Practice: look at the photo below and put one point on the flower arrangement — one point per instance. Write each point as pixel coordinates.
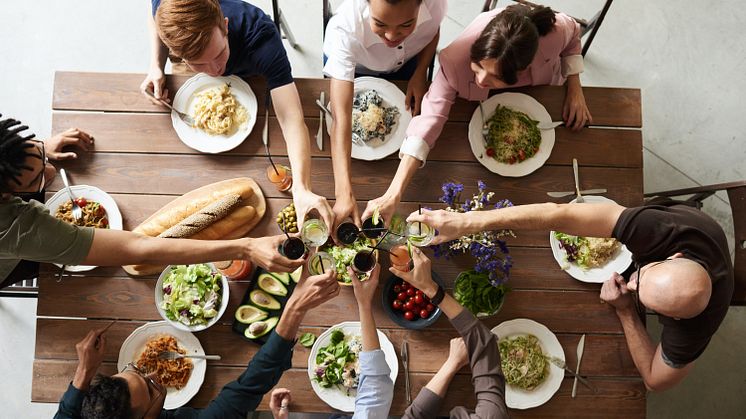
(492, 254)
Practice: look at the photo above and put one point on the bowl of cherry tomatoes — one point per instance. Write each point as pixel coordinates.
(407, 306)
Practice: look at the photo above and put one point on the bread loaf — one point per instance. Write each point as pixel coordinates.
(203, 218)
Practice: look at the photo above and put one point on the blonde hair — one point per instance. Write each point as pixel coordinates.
(186, 26)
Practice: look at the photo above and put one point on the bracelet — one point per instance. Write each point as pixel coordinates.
(438, 297)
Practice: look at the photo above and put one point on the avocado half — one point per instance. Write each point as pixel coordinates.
(295, 276)
(270, 284)
(261, 328)
(261, 299)
(248, 314)
(282, 276)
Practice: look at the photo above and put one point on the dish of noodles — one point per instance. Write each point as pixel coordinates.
(513, 136)
(587, 252)
(94, 214)
(371, 118)
(523, 362)
(170, 373)
(217, 112)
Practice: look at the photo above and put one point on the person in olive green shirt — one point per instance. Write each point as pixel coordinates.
(29, 233)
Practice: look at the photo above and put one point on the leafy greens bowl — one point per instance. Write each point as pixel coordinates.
(475, 292)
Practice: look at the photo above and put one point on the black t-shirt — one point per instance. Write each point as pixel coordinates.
(654, 233)
(255, 44)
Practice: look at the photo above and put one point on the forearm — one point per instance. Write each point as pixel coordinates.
(442, 379)
(83, 377)
(573, 83)
(341, 93)
(640, 345)
(158, 50)
(290, 321)
(368, 328)
(295, 132)
(425, 57)
(116, 247)
(407, 168)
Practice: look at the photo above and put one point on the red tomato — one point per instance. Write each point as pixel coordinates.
(511, 160)
(430, 308)
(396, 305)
(410, 292)
(100, 211)
(405, 286)
(409, 306)
(409, 315)
(105, 222)
(418, 299)
(490, 152)
(81, 202)
(418, 292)
(397, 288)
(521, 155)
(424, 314)
(401, 296)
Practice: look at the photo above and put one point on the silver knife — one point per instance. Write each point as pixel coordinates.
(405, 362)
(550, 125)
(584, 192)
(581, 347)
(320, 134)
(265, 131)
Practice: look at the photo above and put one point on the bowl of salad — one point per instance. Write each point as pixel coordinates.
(191, 297)
(343, 256)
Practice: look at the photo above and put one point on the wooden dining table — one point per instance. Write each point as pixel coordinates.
(141, 162)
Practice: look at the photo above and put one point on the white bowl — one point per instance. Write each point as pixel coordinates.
(225, 292)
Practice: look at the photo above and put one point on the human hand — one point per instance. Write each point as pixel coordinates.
(344, 207)
(279, 402)
(386, 205)
(458, 357)
(416, 89)
(305, 201)
(614, 291)
(312, 291)
(155, 81)
(263, 252)
(421, 277)
(449, 225)
(90, 353)
(575, 111)
(71, 137)
(365, 290)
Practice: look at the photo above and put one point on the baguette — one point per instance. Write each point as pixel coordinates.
(203, 218)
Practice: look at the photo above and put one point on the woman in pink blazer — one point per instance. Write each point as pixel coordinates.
(512, 47)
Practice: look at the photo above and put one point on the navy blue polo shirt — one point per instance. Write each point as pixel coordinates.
(255, 44)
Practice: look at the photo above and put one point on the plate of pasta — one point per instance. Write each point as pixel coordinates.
(99, 211)
(525, 346)
(224, 110)
(514, 146)
(182, 378)
(379, 119)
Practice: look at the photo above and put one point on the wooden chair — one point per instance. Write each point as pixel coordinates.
(586, 26)
(737, 196)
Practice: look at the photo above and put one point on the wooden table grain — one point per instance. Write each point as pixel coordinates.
(140, 161)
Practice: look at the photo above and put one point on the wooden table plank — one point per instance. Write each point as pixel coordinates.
(622, 398)
(56, 339)
(616, 107)
(178, 174)
(591, 146)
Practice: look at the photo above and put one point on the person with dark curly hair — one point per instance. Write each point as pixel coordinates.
(134, 393)
(503, 48)
(29, 234)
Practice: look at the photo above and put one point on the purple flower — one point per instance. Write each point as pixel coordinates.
(481, 185)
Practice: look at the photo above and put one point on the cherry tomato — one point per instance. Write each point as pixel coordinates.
(396, 305)
(418, 299)
(100, 211)
(81, 202)
(405, 286)
(490, 152)
(424, 314)
(521, 155)
(409, 306)
(409, 315)
(104, 222)
(397, 288)
(401, 296)
(430, 308)
(410, 292)
(418, 292)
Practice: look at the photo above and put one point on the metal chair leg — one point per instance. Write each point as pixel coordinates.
(593, 26)
(285, 28)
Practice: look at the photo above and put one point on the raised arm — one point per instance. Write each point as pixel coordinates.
(155, 81)
(290, 116)
(417, 85)
(341, 92)
(594, 220)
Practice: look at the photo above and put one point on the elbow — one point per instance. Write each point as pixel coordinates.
(656, 386)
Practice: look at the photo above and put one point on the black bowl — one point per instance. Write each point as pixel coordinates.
(388, 296)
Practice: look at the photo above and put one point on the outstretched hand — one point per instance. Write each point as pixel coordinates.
(449, 225)
(70, 137)
(421, 277)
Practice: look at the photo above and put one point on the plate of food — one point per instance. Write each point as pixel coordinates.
(191, 297)
(525, 346)
(333, 366)
(344, 255)
(379, 119)
(224, 110)
(589, 259)
(99, 211)
(182, 378)
(514, 145)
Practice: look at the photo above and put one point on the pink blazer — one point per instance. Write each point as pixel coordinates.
(558, 55)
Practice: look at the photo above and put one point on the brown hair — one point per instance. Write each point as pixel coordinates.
(512, 37)
(186, 26)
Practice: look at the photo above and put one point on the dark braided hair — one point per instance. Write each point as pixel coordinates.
(14, 149)
(108, 398)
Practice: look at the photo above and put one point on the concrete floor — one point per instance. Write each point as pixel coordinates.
(687, 60)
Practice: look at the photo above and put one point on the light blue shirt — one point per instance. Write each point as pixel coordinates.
(375, 390)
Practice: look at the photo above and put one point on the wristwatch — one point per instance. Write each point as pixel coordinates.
(438, 297)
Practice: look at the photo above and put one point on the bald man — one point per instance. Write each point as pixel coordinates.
(683, 271)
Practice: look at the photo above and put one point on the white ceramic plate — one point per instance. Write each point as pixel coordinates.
(519, 102)
(135, 343)
(517, 398)
(618, 263)
(184, 100)
(335, 397)
(392, 96)
(181, 326)
(90, 193)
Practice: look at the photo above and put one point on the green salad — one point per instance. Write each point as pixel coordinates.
(343, 256)
(191, 294)
(337, 363)
(523, 362)
(475, 292)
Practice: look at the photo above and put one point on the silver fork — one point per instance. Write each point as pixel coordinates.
(171, 355)
(580, 198)
(77, 211)
(184, 117)
(329, 112)
(485, 128)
